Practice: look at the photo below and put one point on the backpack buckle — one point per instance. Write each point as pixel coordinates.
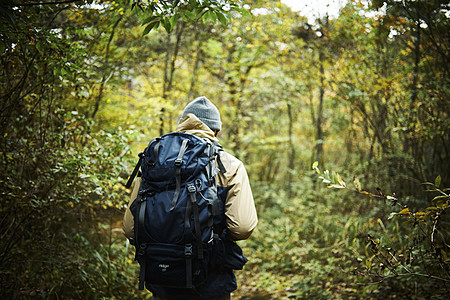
(191, 188)
(141, 198)
(188, 250)
(178, 162)
(141, 252)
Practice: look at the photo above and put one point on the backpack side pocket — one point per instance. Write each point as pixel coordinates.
(227, 254)
(234, 258)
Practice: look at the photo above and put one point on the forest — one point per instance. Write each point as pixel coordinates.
(341, 121)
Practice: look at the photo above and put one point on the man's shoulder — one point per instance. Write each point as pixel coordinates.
(230, 162)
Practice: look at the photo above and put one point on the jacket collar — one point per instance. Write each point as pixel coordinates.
(191, 124)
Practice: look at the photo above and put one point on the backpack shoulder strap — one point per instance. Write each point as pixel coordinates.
(141, 157)
(135, 171)
(218, 148)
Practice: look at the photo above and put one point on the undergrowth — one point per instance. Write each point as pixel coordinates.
(304, 247)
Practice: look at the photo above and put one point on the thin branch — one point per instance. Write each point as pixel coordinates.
(42, 3)
(402, 275)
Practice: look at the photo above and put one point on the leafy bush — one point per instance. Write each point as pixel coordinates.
(56, 196)
(406, 253)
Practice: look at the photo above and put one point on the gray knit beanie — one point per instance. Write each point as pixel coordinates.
(206, 111)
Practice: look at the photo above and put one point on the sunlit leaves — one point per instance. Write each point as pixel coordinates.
(333, 179)
(168, 14)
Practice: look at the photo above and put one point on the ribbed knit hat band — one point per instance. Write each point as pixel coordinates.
(206, 111)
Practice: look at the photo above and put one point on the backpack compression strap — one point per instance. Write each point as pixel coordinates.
(141, 255)
(178, 164)
(198, 234)
(140, 252)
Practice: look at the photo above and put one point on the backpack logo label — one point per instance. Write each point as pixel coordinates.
(164, 267)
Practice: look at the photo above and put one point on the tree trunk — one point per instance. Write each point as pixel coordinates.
(319, 119)
(169, 70)
(291, 155)
(104, 77)
(198, 55)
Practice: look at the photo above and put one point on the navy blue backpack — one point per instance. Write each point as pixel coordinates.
(175, 209)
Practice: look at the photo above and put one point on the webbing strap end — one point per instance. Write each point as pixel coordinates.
(142, 276)
(189, 273)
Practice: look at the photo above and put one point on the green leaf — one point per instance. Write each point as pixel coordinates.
(174, 20)
(381, 224)
(190, 15)
(64, 71)
(2, 47)
(153, 24)
(166, 24)
(391, 215)
(368, 264)
(212, 16)
(184, 17)
(244, 12)
(40, 46)
(437, 181)
(440, 197)
(148, 20)
(149, 27)
(221, 18)
(205, 16)
(315, 165)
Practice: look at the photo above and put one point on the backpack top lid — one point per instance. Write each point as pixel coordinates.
(180, 151)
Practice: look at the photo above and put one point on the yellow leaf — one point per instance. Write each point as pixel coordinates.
(404, 211)
(421, 213)
(339, 179)
(356, 183)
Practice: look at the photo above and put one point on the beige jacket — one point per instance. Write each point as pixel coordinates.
(240, 208)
